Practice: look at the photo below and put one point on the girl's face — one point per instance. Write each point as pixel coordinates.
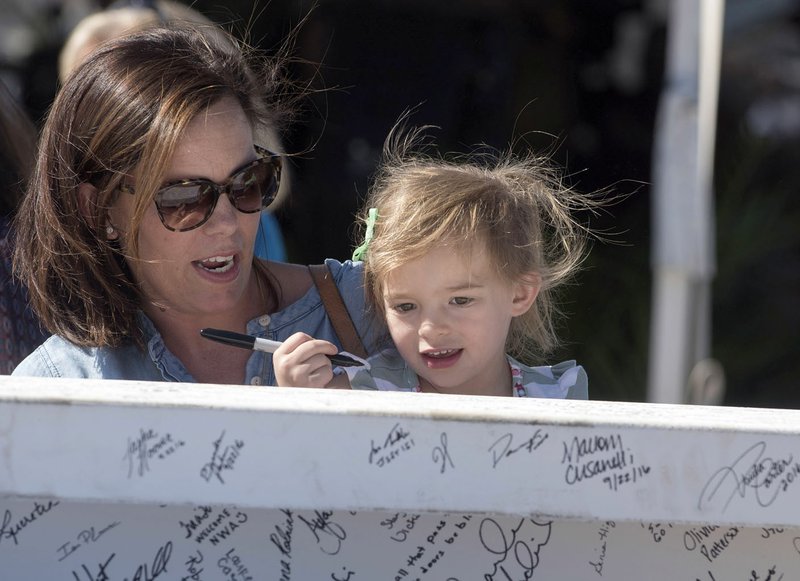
(449, 314)
(206, 271)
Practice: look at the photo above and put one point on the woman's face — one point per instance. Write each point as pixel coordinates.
(207, 270)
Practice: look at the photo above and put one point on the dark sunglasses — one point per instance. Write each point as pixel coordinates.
(188, 204)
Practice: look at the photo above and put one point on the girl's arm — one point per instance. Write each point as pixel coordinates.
(339, 381)
(301, 362)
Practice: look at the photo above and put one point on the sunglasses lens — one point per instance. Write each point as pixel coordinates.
(254, 187)
(187, 205)
(184, 206)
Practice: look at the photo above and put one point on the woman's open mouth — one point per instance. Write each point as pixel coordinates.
(217, 264)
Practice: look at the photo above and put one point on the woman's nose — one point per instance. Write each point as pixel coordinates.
(224, 217)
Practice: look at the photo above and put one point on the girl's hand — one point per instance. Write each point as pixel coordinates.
(301, 362)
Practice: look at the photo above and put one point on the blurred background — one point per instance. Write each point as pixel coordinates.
(579, 78)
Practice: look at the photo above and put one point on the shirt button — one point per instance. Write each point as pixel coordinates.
(264, 320)
(255, 381)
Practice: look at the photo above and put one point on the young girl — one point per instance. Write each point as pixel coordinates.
(461, 261)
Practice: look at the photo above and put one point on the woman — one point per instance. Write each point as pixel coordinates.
(139, 225)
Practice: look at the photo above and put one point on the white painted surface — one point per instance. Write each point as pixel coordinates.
(99, 480)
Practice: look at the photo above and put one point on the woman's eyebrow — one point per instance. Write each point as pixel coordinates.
(239, 168)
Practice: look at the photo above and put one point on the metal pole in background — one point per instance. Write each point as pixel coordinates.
(683, 218)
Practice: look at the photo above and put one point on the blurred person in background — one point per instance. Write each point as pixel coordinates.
(20, 332)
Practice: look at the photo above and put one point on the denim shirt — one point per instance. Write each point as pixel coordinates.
(57, 357)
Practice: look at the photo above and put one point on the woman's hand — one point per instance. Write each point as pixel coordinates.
(301, 362)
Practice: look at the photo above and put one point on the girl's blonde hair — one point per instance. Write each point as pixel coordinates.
(517, 207)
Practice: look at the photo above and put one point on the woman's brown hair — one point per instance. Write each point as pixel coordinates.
(121, 114)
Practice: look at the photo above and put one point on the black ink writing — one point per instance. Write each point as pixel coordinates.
(582, 447)
(657, 530)
(459, 526)
(505, 446)
(516, 548)
(617, 479)
(156, 568)
(328, 534)
(772, 575)
(233, 567)
(282, 539)
(345, 575)
(222, 458)
(201, 514)
(598, 563)
(85, 537)
(193, 568)
(441, 455)
(146, 446)
(600, 455)
(217, 528)
(767, 532)
(400, 534)
(766, 477)
(702, 539)
(101, 574)
(435, 533)
(395, 443)
(11, 530)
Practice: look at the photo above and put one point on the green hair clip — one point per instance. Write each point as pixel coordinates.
(372, 217)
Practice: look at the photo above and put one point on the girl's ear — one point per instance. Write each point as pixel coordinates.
(526, 289)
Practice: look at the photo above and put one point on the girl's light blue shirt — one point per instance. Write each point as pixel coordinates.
(57, 357)
(387, 371)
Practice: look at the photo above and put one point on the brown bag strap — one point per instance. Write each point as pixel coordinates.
(336, 309)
